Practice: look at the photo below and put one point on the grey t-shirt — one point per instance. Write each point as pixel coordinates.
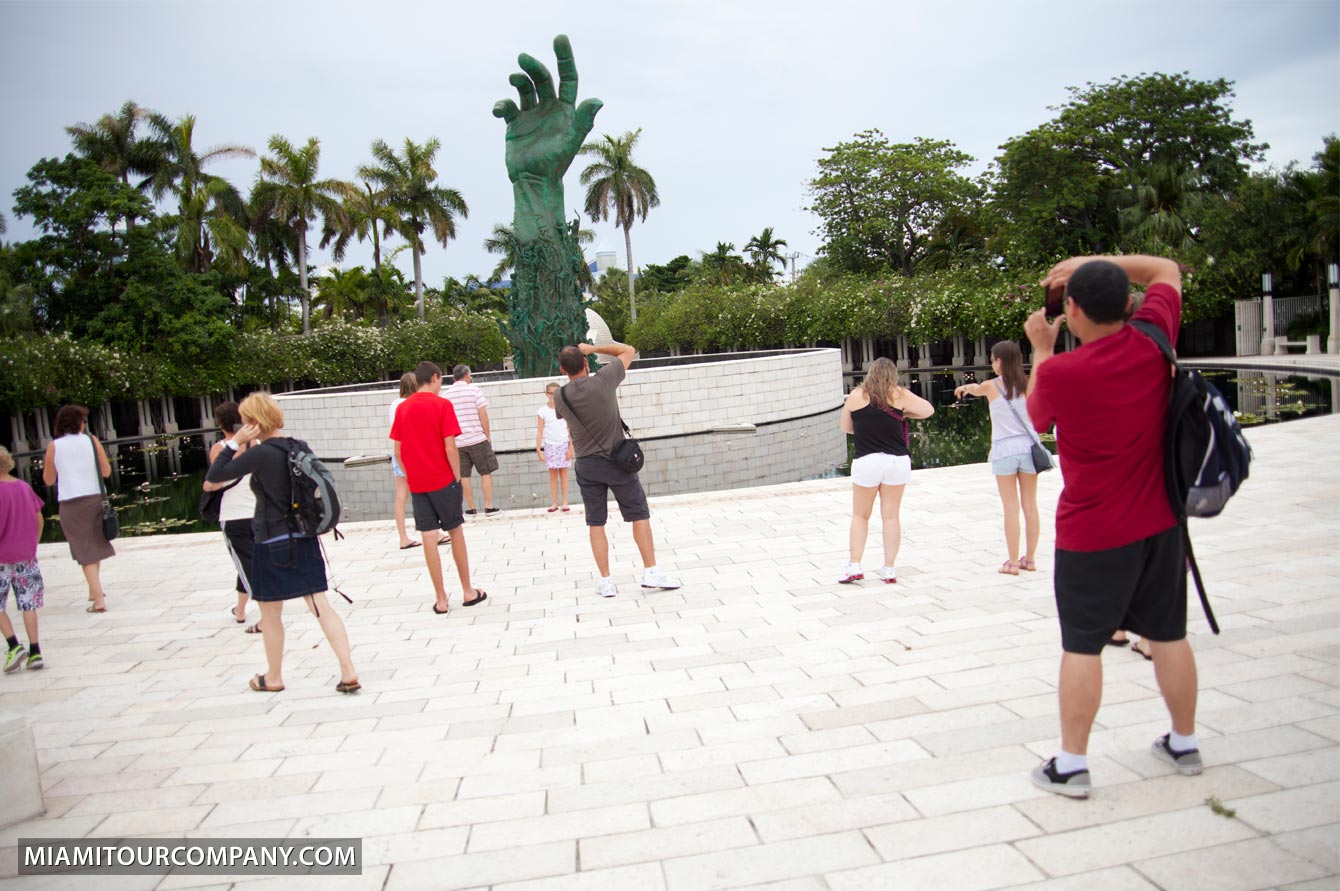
(596, 430)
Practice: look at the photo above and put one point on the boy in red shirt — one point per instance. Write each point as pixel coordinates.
(1120, 561)
(425, 431)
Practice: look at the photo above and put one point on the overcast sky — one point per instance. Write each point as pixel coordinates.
(736, 100)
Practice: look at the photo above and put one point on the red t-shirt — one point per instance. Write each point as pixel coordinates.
(1109, 400)
(421, 424)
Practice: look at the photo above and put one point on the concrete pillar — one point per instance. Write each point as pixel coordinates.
(904, 360)
(146, 417)
(1267, 323)
(1281, 346)
(846, 350)
(169, 414)
(924, 351)
(18, 433)
(867, 351)
(1313, 344)
(42, 420)
(1333, 340)
(960, 350)
(980, 354)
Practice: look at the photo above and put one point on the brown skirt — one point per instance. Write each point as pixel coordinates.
(81, 522)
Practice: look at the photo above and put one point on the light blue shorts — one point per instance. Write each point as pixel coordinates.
(1013, 464)
(396, 468)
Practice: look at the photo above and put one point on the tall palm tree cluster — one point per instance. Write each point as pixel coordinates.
(397, 194)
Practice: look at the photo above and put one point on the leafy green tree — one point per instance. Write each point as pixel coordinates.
(879, 202)
(211, 215)
(723, 265)
(609, 299)
(1161, 208)
(668, 278)
(408, 181)
(113, 143)
(343, 293)
(615, 182)
(765, 251)
(290, 191)
(1315, 196)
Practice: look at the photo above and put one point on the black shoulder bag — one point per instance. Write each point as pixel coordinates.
(110, 526)
(627, 454)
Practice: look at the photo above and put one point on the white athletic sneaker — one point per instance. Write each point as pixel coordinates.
(605, 588)
(852, 572)
(656, 578)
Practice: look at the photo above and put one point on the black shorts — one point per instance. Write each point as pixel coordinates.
(439, 509)
(238, 535)
(597, 476)
(1140, 588)
(478, 457)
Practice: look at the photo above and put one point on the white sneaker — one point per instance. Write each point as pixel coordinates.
(852, 572)
(888, 575)
(605, 588)
(656, 578)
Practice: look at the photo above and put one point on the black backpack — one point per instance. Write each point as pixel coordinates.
(314, 506)
(1205, 458)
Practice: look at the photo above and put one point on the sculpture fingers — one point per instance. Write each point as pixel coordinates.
(567, 70)
(544, 82)
(525, 89)
(506, 110)
(586, 115)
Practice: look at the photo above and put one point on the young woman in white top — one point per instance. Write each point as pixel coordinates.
(553, 444)
(235, 513)
(408, 384)
(73, 464)
(1011, 454)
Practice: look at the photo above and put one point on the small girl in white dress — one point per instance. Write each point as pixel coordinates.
(554, 447)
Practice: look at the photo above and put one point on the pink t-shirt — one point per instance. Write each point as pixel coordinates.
(19, 505)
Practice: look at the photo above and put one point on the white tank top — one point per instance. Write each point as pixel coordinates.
(76, 467)
(239, 502)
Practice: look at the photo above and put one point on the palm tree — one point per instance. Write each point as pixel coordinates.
(1157, 208)
(3, 227)
(211, 214)
(724, 262)
(765, 250)
(113, 145)
(408, 182)
(289, 191)
(367, 215)
(503, 242)
(344, 293)
(614, 181)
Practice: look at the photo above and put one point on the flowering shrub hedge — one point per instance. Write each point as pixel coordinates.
(55, 370)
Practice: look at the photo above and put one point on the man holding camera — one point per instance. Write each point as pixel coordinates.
(590, 405)
(1120, 561)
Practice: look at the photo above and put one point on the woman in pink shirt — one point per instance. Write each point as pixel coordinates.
(20, 528)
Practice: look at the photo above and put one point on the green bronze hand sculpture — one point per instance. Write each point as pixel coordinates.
(543, 136)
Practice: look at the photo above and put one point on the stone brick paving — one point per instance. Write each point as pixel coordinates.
(763, 727)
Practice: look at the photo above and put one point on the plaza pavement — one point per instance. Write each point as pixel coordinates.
(762, 727)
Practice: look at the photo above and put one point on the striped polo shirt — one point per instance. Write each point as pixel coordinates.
(467, 399)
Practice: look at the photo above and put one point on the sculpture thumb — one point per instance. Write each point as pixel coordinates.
(586, 114)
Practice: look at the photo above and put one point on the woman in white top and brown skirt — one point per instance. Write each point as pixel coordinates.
(75, 463)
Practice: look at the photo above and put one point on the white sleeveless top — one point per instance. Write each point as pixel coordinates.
(239, 502)
(76, 467)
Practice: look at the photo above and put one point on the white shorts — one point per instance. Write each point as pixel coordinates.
(879, 469)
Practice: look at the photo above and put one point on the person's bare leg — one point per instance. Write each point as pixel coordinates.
(553, 488)
(332, 626)
(462, 558)
(1028, 499)
(646, 546)
(862, 502)
(600, 549)
(468, 493)
(272, 633)
(6, 626)
(1080, 692)
(30, 626)
(1175, 670)
(401, 498)
(92, 575)
(434, 561)
(486, 483)
(1009, 500)
(890, 503)
(563, 484)
(240, 611)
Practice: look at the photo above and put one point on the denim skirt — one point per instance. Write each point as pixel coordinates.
(287, 568)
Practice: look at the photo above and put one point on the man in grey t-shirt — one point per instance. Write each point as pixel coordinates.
(590, 405)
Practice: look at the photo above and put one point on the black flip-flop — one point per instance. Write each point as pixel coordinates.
(444, 540)
(1125, 641)
(413, 544)
(233, 610)
(480, 599)
(254, 629)
(258, 684)
(1148, 657)
(348, 687)
(442, 612)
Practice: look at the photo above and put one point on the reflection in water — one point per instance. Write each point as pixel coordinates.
(155, 484)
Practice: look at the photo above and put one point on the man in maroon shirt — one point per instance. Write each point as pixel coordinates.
(425, 431)
(1120, 562)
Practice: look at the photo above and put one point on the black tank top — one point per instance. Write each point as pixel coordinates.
(879, 430)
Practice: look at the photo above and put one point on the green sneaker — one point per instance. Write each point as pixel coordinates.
(14, 659)
(35, 662)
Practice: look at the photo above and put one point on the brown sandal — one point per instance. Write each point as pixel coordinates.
(348, 687)
(258, 684)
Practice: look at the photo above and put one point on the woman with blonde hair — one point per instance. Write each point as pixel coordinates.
(876, 413)
(76, 464)
(1011, 453)
(285, 564)
(408, 385)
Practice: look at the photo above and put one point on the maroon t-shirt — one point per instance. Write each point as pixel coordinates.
(1109, 401)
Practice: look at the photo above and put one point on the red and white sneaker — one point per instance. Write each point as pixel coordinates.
(888, 575)
(852, 572)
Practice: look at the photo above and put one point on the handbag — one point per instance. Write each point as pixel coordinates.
(1042, 459)
(627, 455)
(110, 526)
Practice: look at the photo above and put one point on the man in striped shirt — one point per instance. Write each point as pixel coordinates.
(472, 413)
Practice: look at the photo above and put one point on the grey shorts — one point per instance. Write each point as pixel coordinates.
(1014, 464)
(597, 476)
(478, 457)
(439, 509)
